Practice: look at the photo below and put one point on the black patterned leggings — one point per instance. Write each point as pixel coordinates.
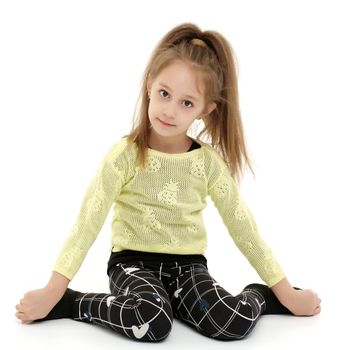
(146, 296)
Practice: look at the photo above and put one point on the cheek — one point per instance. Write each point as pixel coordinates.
(149, 109)
(154, 106)
(152, 109)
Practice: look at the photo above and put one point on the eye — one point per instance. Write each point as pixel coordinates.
(188, 104)
(163, 93)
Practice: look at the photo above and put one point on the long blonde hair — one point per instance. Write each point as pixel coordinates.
(211, 54)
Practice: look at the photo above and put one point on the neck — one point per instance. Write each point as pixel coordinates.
(170, 147)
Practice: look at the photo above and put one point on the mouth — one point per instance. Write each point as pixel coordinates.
(164, 123)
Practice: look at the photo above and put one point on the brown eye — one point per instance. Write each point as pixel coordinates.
(188, 104)
(163, 93)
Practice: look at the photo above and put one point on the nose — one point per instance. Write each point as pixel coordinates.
(170, 112)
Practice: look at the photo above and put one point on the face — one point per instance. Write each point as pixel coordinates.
(176, 100)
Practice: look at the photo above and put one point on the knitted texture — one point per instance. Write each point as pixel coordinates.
(159, 208)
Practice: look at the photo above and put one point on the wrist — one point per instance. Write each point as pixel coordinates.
(284, 292)
(57, 284)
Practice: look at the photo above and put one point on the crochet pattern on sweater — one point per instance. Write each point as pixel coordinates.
(159, 208)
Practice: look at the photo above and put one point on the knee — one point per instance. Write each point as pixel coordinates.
(157, 321)
(155, 330)
(226, 325)
(159, 328)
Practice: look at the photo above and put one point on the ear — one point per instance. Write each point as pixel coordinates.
(210, 107)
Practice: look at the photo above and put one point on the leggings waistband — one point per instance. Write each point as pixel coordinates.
(135, 256)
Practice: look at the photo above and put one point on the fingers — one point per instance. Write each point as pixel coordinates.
(317, 297)
(318, 305)
(23, 318)
(314, 301)
(317, 310)
(20, 314)
(317, 300)
(19, 307)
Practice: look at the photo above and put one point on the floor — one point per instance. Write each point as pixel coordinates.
(272, 332)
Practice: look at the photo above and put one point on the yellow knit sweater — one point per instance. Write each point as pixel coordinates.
(159, 209)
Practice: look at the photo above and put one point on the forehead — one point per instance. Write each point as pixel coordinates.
(182, 79)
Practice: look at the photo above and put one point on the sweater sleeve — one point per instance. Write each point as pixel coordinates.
(98, 199)
(240, 223)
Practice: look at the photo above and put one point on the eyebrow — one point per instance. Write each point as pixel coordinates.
(187, 96)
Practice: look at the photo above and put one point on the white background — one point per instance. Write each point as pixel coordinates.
(69, 80)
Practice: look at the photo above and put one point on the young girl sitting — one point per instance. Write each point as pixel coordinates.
(157, 178)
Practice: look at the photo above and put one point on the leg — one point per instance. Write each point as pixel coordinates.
(199, 301)
(273, 305)
(138, 306)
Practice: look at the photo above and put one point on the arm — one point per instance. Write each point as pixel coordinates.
(98, 199)
(243, 230)
(299, 302)
(37, 303)
(241, 225)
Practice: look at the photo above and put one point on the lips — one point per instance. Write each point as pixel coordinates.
(164, 123)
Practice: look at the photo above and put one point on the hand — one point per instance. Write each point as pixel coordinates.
(36, 304)
(304, 303)
(299, 302)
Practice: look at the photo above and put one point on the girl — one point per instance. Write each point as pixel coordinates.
(158, 179)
